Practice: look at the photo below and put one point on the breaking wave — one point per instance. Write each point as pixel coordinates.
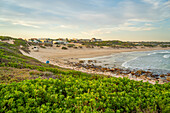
(158, 52)
(167, 56)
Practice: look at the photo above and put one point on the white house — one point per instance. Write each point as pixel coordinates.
(59, 42)
(96, 40)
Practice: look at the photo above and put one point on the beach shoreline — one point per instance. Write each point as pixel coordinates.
(66, 58)
(73, 55)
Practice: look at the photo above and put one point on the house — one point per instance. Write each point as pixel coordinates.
(60, 42)
(36, 41)
(29, 40)
(96, 40)
(42, 41)
(84, 40)
(45, 40)
(61, 39)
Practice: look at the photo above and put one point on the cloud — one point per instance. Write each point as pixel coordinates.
(155, 3)
(92, 11)
(148, 24)
(19, 22)
(89, 16)
(64, 27)
(124, 27)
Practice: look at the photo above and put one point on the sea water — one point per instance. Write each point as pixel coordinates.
(157, 61)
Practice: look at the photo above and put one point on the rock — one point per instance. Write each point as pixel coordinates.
(81, 61)
(95, 61)
(148, 78)
(162, 75)
(168, 74)
(160, 80)
(168, 78)
(156, 75)
(129, 75)
(112, 70)
(89, 61)
(133, 76)
(143, 77)
(152, 75)
(132, 73)
(139, 72)
(125, 72)
(153, 81)
(137, 76)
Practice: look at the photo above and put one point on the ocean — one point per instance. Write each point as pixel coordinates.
(157, 61)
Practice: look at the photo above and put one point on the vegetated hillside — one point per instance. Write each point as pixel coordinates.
(121, 44)
(61, 90)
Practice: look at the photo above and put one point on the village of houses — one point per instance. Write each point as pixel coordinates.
(62, 40)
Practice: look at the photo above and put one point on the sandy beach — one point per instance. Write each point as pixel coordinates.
(58, 55)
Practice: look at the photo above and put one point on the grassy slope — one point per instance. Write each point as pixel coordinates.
(71, 91)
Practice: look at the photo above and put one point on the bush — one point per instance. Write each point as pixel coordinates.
(70, 45)
(95, 93)
(25, 49)
(48, 44)
(57, 45)
(88, 46)
(42, 46)
(64, 48)
(5, 38)
(75, 47)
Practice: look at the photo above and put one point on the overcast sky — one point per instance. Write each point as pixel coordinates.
(105, 19)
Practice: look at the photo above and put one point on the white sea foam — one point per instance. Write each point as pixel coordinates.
(167, 56)
(125, 64)
(158, 52)
(152, 53)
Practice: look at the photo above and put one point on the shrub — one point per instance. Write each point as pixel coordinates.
(70, 45)
(5, 38)
(75, 47)
(48, 44)
(42, 46)
(25, 49)
(88, 46)
(64, 48)
(57, 45)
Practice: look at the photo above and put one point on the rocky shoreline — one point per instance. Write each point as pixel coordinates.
(91, 68)
(138, 75)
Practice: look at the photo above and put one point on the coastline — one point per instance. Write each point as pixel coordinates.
(60, 56)
(63, 58)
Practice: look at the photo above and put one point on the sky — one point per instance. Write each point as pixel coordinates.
(132, 20)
